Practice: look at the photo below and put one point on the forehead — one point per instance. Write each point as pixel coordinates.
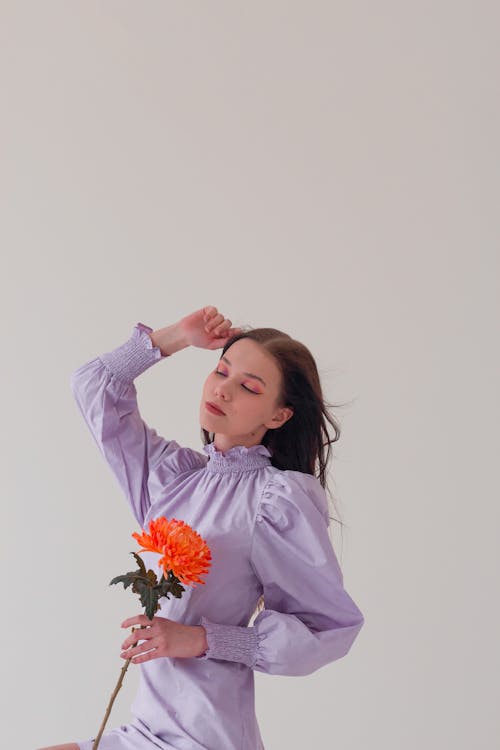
(249, 355)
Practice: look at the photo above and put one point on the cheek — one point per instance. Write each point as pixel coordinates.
(210, 385)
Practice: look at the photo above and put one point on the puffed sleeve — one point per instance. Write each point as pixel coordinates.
(107, 399)
(309, 619)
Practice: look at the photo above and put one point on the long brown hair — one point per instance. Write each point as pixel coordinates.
(303, 442)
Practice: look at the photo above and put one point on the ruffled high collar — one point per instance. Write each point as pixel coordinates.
(237, 458)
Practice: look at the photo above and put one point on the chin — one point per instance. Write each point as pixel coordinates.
(205, 424)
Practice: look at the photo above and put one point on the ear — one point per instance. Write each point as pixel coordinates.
(279, 419)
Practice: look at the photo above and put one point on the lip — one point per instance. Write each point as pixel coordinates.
(213, 408)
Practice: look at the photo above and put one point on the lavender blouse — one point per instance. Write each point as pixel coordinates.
(267, 530)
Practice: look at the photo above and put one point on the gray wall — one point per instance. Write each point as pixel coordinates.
(331, 169)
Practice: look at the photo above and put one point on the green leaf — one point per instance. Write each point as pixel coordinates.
(149, 589)
(171, 585)
(152, 577)
(148, 597)
(140, 562)
(127, 579)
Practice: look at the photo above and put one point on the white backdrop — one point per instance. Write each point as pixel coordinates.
(331, 169)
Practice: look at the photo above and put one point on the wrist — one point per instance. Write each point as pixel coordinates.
(169, 339)
(203, 643)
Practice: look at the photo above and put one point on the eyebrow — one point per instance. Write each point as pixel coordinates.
(249, 374)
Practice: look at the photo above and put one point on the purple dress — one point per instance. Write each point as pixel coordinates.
(267, 530)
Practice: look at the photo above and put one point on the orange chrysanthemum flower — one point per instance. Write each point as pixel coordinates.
(184, 551)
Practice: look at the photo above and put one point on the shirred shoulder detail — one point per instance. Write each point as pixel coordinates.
(289, 489)
(309, 619)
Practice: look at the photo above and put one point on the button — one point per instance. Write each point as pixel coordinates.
(259, 519)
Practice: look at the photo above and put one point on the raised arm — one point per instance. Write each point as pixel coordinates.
(105, 393)
(107, 398)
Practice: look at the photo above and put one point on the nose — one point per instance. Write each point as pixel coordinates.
(220, 391)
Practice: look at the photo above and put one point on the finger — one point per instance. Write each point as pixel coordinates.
(218, 343)
(131, 651)
(145, 657)
(209, 312)
(224, 335)
(220, 329)
(136, 620)
(136, 653)
(132, 643)
(214, 322)
(130, 621)
(142, 635)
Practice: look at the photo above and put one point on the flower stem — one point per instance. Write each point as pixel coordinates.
(112, 699)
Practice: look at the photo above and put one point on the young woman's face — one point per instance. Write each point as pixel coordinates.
(245, 385)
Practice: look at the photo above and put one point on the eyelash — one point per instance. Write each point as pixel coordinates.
(218, 372)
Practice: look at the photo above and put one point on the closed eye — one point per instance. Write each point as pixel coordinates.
(218, 372)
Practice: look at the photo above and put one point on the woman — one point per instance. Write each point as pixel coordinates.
(253, 496)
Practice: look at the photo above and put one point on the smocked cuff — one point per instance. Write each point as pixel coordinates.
(133, 357)
(230, 642)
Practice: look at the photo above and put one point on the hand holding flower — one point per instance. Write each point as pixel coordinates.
(163, 637)
(185, 557)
